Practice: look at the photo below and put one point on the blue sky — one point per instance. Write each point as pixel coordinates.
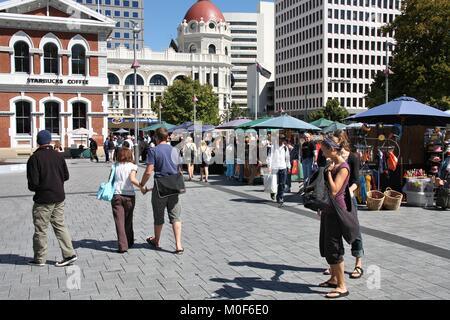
(162, 17)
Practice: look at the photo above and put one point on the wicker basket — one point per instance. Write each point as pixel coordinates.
(375, 200)
(392, 200)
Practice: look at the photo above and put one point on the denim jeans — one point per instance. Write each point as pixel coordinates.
(282, 179)
(357, 245)
(230, 170)
(307, 168)
(241, 173)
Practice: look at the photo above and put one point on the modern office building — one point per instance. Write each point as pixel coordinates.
(53, 74)
(252, 41)
(201, 52)
(329, 49)
(121, 11)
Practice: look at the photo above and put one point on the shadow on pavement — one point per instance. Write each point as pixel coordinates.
(15, 259)
(111, 246)
(248, 285)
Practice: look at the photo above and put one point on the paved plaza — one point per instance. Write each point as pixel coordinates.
(239, 245)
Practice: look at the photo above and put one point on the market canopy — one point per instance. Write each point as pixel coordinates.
(322, 123)
(182, 126)
(334, 127)
(82, 132)
(155, 127)
(121, 131)
(286, 122)
(233, 124)
(204, 128)
(250, 124)
(404, 110)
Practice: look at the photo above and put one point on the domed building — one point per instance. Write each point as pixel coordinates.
(201, 51)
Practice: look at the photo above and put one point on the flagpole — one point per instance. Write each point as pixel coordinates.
(256, 93)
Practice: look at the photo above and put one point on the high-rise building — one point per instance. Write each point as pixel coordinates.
(121, 11)
(252, 41)
(328, 49)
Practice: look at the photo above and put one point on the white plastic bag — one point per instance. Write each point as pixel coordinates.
(270, 183)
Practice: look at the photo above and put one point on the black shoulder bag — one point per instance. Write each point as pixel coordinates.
(170, 185)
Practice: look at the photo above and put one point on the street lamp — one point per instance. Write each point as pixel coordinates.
(135, 66)
(160, 108)
(386, 72)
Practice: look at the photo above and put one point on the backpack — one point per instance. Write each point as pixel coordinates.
(315, 196)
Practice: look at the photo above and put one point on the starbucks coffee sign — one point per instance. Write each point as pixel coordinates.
(77, 82)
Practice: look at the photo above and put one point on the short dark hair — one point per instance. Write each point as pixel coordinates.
(125, 155)
(162, 134)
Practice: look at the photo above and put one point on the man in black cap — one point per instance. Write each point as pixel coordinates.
(46, 172)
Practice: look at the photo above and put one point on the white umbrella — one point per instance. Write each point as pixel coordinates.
(82, 132)
(357, 125)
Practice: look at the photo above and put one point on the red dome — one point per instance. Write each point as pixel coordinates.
(204, 9)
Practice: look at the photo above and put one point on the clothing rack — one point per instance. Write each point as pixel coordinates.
(394, 145)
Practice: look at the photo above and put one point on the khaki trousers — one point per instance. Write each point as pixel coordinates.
(43, 214)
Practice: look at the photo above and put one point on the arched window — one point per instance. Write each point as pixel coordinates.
(51, 63)
(212, 49)
(23, 117)
(180, 78)
(52, 117)
(158, 80)
(78, 60)
(193, 48)
(79, 115)
(22, 57)
(226, 51)
(129, 81)
(113, 79)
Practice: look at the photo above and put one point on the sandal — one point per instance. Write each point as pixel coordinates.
(179, 252)
(327, 272)
(328, 284)
(337, 295)
(359, 271)
(151, 242)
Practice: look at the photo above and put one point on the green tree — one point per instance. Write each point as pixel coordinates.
(178, 106)
(332, 111)
(421, 59)
(235, 112)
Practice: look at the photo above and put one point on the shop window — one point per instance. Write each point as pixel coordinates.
(79, 115)
(51, 58)
(23, 117)
(78, 60)
(52, 117)
(22, 57)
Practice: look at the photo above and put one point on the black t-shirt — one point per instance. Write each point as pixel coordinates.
(308, 149)
(354, 163)
(321, 159)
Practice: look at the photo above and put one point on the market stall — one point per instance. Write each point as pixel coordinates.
(398, 147)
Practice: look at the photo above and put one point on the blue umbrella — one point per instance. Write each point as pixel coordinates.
(334, 127)
(286, 122)
(183, 126)
(404, 110)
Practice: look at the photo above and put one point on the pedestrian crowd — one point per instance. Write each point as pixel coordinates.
(286, 161)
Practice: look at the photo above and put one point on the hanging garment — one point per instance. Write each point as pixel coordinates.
(363, 185)
(368, 185)
(392, 161)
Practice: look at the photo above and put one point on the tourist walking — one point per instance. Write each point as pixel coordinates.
(189, 155)
(106, 149)
(206, 151)
(164, 162)
(46, 173)
(93, 147)
(308, 156)
(331, 242)
(124, 199)
(280, 163)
